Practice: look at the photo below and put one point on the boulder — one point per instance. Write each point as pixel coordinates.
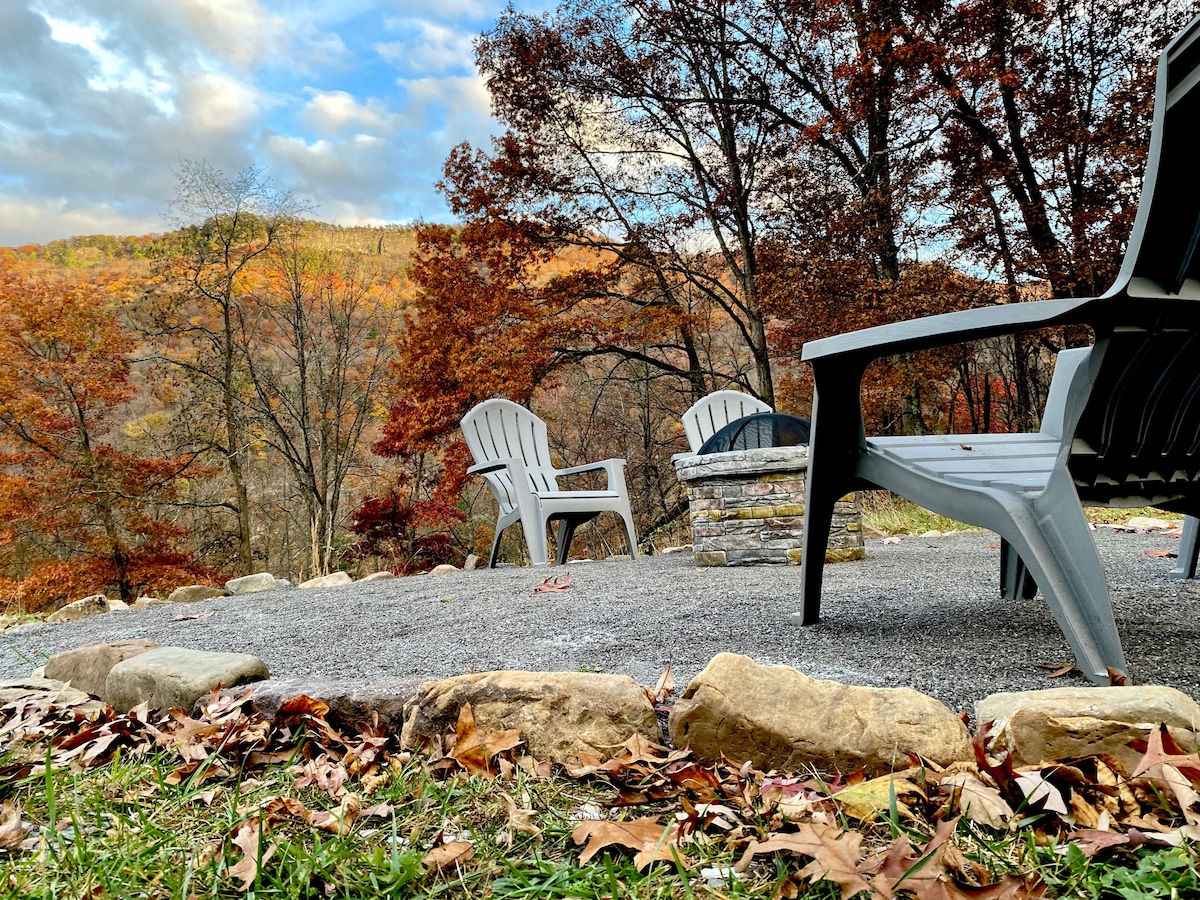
(560, 714)
(87, 667)
(86, 608)
(471, 563)
(194, 592)
(65, 695)
(444, 569)
(333, 579)
(778, 718)
(1150, 523)
(172, 677)
(377, 576)
(352, 702)
(1069, 722)
(249, 584)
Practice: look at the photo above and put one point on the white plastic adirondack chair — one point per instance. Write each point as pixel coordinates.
(710, 414)
(512, 453)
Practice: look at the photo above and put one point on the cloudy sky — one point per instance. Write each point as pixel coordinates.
(353, 104)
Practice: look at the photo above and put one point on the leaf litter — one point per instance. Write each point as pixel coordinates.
(909, 831)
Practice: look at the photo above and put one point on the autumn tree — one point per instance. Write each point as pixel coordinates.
(226, 225)
(314, 341)
(89, 511)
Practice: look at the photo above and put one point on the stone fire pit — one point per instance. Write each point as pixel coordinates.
(747, 508)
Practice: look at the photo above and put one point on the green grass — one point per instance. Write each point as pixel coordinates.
(893, 514)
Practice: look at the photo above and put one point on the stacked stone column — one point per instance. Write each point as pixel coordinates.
(747, 508)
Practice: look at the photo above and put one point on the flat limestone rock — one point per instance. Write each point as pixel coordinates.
(352, 702)
(94, 605)
(195, 592)
(375, 576)
(1070, 722)
(87, 667)
(778, 718)
(175, 678)
(249, 584)
(559, 714)
(333, 579)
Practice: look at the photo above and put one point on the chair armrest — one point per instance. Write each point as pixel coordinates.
(614, 468)
(516, 466)
(949, 328)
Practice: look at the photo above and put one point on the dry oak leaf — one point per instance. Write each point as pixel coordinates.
(979, 802)
(519, 819)
(474, 751)
(836, 856)
(650, 838)
(12, 829)
(452, 853)
(1036, 788)
(247, 838)
(924, 873)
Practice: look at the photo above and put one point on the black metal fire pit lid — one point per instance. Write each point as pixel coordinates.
(767, 429)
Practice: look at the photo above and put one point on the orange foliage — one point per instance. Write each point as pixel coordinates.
(69, 490)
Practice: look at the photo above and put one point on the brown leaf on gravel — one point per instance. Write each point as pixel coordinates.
(650, 838)
(554, 585)
(1159, 554)
(665, 687)
(181, 617)
(453, 853)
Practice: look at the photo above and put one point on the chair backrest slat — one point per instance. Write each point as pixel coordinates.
(711, 413)
(500, 429)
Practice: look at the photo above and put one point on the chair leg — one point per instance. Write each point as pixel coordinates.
(1052, 538)
(1189, 549)
(630, 532)
(566, 532)
(1015, 580)
(495, 548)
(535, 538)
(831, 452)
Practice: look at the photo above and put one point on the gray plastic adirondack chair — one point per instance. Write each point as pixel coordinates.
(1189, 550)
(711, 413)
(1123, 427)
(512, 453)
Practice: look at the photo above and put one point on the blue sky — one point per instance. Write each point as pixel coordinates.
(353, 104)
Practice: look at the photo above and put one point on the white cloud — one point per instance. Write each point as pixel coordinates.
(43, 220)
(333, 112)
(211, 102)
(428, 47)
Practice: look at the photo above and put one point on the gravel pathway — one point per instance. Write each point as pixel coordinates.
(923, 613)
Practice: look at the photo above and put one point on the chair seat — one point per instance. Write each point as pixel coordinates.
(1020, 461)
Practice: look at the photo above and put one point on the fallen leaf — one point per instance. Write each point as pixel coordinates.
(452, 853)
(519, 819)
(868, 799)
(12, 829)
(1156, 554)
(979, 802)
(1036, 788)
(650, 838)
(554, 585)
(665, 686)
(894, 539)
(835, 855)
(247, 838)
(1091, 841)
(474, 751)
(180, 617)
(1057, 670)
(302, 705)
